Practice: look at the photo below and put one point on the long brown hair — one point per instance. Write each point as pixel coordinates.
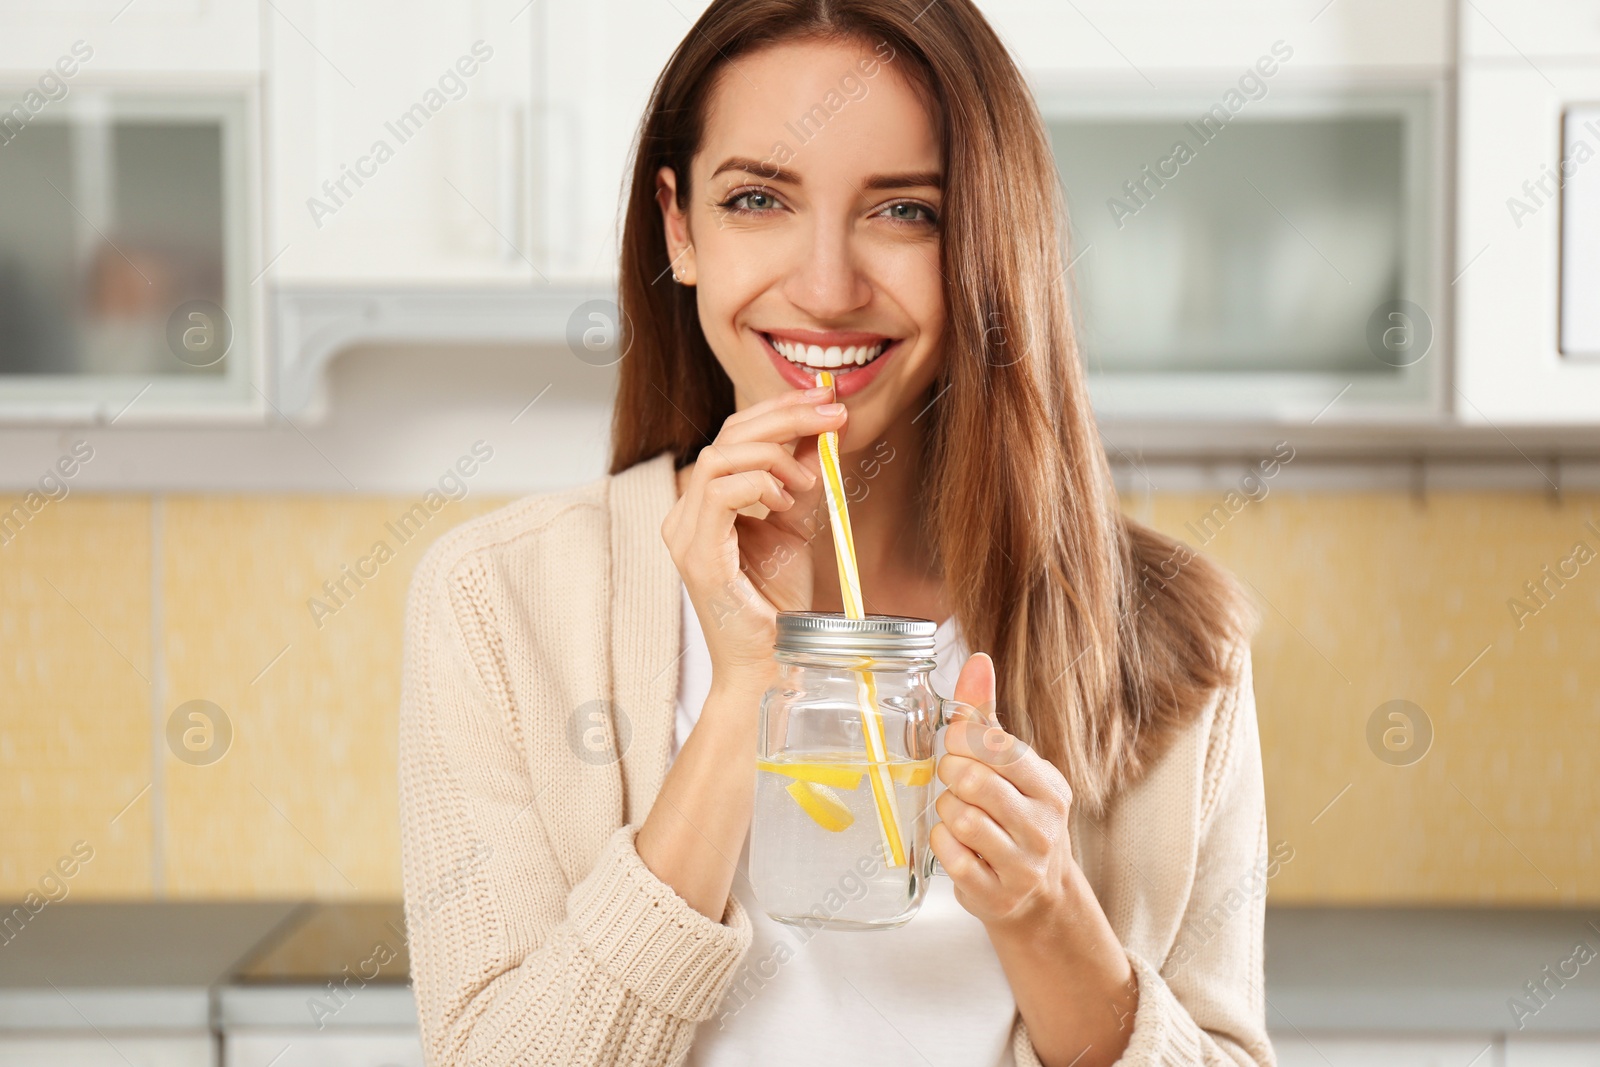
(1105, 634)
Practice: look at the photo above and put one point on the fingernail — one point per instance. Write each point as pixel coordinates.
(830, 409)
(819, 393)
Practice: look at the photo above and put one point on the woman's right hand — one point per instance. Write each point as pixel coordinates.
(741, 570)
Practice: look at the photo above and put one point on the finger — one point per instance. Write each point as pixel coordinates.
(809, 517)
(708, 526)
(720, 460)
(974, 828)
(964, 866)
(785, 423)
(724, 497)
(980, 734)
(974, 782)
(678, 529)
(788, 398)
(975, 686)
(1012, 759)
(983, 740)
(988, 741)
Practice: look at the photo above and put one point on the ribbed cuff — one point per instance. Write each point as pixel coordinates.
(1022, 1049)
(1163, 1032)
(649, 939)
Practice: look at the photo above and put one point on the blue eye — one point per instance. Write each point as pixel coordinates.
(750, 202)
(909, 211)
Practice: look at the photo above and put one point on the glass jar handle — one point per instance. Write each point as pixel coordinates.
(950, 711)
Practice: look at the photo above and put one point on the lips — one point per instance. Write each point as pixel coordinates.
(854, 359)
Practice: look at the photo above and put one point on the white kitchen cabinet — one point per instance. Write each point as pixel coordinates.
(132, 174)
(126, 245)
(1517, 30)
(157, 37)
(398, 143)
(111, 1049)
(1329, 1050)
(377, 1047)
(1553, 1052)
(1156, 41)
(1510, 367)
(599, 60)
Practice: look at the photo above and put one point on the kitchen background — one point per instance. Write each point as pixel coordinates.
(269, 269)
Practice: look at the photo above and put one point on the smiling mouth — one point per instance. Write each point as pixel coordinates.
(843, 358)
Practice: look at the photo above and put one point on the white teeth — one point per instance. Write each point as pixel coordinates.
(833, 356)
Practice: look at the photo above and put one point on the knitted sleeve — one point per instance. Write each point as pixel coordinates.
(1205, 1003)
(510, 963)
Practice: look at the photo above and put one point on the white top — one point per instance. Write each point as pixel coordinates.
(929, 992)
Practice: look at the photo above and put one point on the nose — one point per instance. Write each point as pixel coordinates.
(828, 283)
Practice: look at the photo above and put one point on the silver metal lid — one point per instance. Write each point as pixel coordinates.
(834, 634)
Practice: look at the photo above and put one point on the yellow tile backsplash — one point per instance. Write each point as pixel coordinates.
(264, 620)
(75, 693)
(1372, 598)
(284, 614)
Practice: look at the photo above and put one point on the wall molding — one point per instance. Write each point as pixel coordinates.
(313, 325)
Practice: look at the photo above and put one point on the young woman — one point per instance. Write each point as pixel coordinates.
(864, 184)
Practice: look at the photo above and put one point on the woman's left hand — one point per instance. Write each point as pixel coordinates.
(1002, 835)
(1004, 841)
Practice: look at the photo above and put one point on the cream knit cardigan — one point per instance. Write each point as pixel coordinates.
(541, 656)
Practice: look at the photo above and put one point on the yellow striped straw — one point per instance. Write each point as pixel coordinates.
(844, 549)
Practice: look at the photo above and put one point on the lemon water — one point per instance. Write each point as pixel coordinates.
(816, 850)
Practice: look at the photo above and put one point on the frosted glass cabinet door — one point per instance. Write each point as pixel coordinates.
(1240, 260)
(120, 251)
(1199, 271)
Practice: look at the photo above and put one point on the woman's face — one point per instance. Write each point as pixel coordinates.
(812, 235)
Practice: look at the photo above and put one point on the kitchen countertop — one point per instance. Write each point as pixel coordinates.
(199, 965)
(1428, 969)
(75, 966)
(187, 965)
(335, 965)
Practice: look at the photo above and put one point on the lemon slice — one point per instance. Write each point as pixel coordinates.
(918, 772)
(822, 772)
(822, 804)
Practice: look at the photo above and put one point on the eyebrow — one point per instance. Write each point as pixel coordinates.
(909, 180)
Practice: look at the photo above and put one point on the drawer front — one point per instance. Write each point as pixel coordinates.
(309, 1048)
(111, 1050)
(1553, 1052)
(1319, 1050)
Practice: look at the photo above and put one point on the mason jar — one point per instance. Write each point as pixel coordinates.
(845, 771)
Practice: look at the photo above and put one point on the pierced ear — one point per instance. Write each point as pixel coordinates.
(675, 223)
(684, 266)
